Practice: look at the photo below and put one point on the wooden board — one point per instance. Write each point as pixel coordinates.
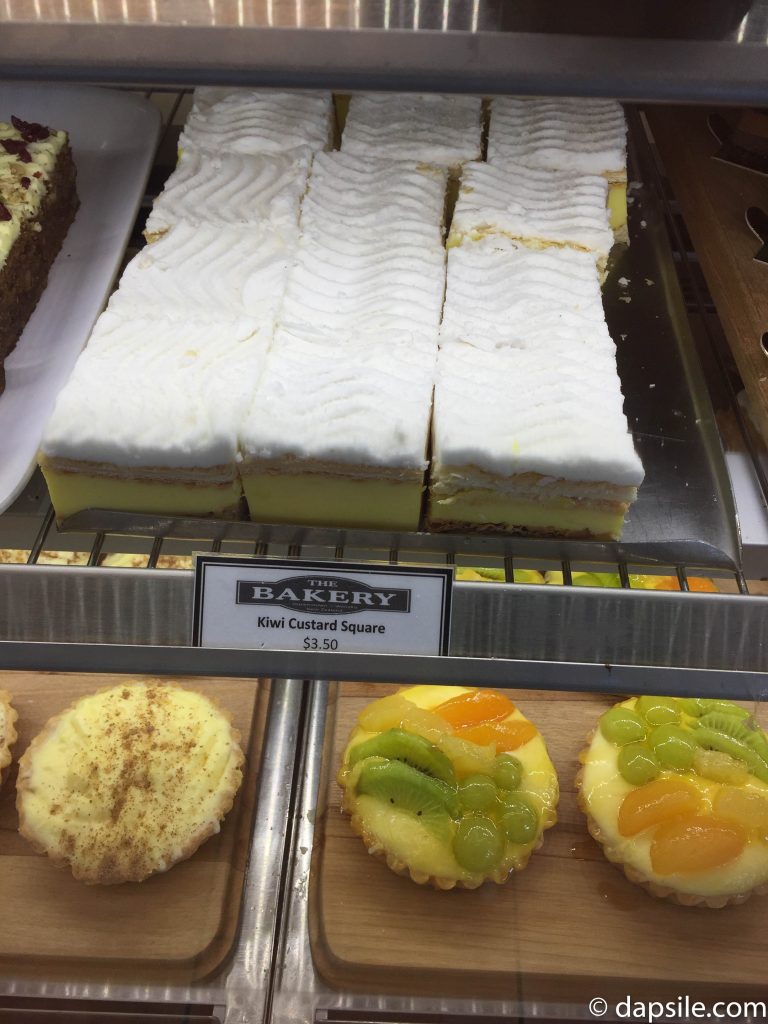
(174, 928)
(566, 929)
(713, 198)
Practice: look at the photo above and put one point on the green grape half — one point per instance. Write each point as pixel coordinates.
(520, 820)
(621, 725)
(638, 764)
(477, 793)
(674, 747)
(478, 844)
(659, 710)
(507, 771)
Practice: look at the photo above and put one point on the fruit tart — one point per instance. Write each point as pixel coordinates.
(450, 785)
(8, 735)
(676, 792)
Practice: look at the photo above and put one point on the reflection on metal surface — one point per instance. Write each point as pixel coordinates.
(740, 20)
(649, 50)
(493, 625)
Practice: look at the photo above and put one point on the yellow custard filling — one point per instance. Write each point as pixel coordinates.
(128, 781)
(452, 785)
(477, 508)
(320, 500)
(698, 830)
(617, 206)
(74, 492)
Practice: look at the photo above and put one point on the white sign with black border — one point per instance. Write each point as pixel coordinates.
(273, 604)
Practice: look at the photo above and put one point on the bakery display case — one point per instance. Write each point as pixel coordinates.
(294, 920)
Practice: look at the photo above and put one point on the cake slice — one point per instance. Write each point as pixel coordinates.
(38, 202)
(370, 256)
(258, 121)
(206, 272)
(588, 136)
(501, 294)
(539, 208)
(530, 442)
(148, 420)
(435, 129)
(261, 192)
(337, 432)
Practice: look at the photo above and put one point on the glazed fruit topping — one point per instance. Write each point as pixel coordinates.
(656, 802)
(478, 844)
(504, 735)
(17, 148)
(742, 807)
(475, 707)
(638, 764)
(30, 131)
(621, 725)
(25, 182)
(695, 843)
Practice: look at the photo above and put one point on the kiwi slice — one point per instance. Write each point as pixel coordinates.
(713, 739)
(698, 706)
(410, 790)
(411, 749)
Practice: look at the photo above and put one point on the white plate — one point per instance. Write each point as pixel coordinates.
(113, 137)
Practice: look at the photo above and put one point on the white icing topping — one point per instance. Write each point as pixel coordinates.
(207, 272)
(363, 400)
(260, 191)
(559, 134)
(442, 130)
(156, 392)
(516, 411)
(552, 207)
(258, 121)
(500, 293)
(370, 256)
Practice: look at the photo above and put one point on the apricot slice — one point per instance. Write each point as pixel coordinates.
(506, 735)
(695, 843)
(655, 802)
(475, 707)
(742, 807)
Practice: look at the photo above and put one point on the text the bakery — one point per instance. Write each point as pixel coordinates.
(324, 595)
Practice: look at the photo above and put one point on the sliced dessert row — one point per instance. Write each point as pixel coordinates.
(453, 786)
(325, 273)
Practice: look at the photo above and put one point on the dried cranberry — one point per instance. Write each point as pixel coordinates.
(16, 148)
(37, 174)
(25, 182)
(30, 131)
(5, 213)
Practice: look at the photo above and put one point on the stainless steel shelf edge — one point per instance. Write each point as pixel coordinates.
(243, 987)
(54, 617)
(334, 47)
(546, 675)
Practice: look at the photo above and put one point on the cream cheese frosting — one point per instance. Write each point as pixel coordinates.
(25, 168)
(261, 192)
(362, 399)
(206, 271)
(582, 135)
(155, 392)
(499, 293)
(514, 411)
(258, 121)
(538, 207)
(443, 130)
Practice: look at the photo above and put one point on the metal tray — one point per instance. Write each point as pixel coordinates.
(684, 514)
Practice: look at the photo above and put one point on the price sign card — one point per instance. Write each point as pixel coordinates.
(265, 603)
